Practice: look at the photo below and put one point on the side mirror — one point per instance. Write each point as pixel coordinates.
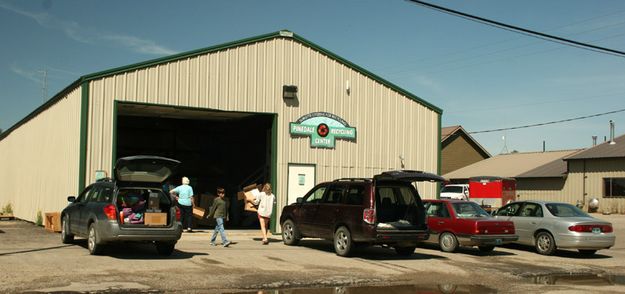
(71, 199)
(299, 200)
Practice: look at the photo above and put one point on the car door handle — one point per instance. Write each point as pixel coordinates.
(441, 222)
(533, 223)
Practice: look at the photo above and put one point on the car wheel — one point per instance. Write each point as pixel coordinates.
(165, 248)
(66, 236)
(545, 244)
(587, 251)
(405, 251)
(342, 242)
(448, 242)
(290, 233)
(93, 242)
(486, 248)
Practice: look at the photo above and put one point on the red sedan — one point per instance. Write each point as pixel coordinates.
(454, 223)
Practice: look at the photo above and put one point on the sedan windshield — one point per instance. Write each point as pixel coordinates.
(469, 210)
(565, 210)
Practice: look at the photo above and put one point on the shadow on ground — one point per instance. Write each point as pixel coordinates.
(138, 251)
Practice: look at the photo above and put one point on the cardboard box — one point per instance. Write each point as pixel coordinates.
(250, 207)
(52, 221)
(205, 201)
(199, 212)
(251, 195)
(242, 195)
(155, 219)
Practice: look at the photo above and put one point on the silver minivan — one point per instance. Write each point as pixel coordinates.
(130, 207)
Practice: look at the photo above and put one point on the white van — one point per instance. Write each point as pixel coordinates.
(455, 191)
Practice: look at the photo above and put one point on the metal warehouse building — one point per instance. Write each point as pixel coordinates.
(274, 108)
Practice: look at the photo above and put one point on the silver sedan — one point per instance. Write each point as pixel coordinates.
(551, 225)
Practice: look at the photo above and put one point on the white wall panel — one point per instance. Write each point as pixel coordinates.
(40, 160)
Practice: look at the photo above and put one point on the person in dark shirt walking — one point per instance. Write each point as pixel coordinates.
(219, 211)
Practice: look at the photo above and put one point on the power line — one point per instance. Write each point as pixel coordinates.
(548, 123)
(523, 31)
(409, 65)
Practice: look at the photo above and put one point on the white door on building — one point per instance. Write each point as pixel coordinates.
(301, 180)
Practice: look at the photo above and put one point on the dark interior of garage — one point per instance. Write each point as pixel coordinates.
(225, 149)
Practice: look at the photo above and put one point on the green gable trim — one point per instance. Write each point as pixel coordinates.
(41, 108)
(180, 56)
(279, 34)
(368, 73)
(84, 119)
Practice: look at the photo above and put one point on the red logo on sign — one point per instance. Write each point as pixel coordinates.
(323, 130)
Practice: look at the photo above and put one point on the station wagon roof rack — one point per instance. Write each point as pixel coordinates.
(353, 179)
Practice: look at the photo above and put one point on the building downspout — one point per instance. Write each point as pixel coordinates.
(584, 184)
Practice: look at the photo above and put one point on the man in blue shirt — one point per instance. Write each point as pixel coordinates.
(184, 196)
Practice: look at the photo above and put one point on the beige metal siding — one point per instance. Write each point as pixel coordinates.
(250, 79)
(40, 160)
(575, 188)
(596, 170)
(542, 189)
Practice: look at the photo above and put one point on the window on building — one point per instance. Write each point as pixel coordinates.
(613, 187)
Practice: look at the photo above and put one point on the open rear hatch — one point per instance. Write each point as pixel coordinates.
(144, 168)
(397, 206)
(409, 176)
(140, 199)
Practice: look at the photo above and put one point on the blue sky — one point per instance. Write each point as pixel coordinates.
(482, 77)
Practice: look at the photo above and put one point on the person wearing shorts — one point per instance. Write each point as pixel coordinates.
(265, 203)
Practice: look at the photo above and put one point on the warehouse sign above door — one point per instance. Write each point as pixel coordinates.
(323, 128)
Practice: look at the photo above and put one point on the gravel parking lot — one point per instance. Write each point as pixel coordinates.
(35, 260)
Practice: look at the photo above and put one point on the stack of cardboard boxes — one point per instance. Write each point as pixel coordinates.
(153, 215)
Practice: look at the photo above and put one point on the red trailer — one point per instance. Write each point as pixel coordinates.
(492, 191)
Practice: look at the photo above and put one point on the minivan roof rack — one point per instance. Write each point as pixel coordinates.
(353, 179)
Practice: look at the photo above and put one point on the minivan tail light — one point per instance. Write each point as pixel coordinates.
(177, 213)
(110, 211)
(368, 215)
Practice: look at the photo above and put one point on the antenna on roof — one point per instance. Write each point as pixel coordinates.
(44, 84)
(504, 150)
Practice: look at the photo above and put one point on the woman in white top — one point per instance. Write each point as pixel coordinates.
(265, 208)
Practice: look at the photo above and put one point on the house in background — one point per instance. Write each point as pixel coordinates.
(598, 172)
(459, 149)
(538, 175)
(571, 176)
(509, 165)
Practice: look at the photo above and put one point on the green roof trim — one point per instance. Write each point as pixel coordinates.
(279, 34)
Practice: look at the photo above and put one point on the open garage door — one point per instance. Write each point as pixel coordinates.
(216, 148)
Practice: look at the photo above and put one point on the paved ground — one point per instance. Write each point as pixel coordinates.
(34, 260)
